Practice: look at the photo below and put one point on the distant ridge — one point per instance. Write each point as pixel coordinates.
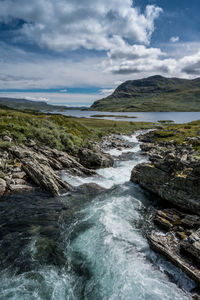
(155, 93)
(24, 104)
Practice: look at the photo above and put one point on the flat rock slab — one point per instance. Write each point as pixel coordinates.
(168, 245)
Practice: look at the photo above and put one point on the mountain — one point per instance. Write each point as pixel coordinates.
(23, 104)
(155, 93)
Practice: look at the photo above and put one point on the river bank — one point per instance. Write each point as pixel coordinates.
(84, 246)
(173, 174)
(95, 235)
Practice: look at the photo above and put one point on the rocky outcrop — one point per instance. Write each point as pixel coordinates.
(23, 166)
(90, 189)
(95, 158)
(172, 173)
(180, 241)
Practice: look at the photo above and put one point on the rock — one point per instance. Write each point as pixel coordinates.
(19, 175)
(191, 221)
(146, 147)
(90, 188)
(6, 138)
(30, 143)
(43, 176)
(20, 187)
(191, 245)
(95, 159)
(171, 184)
(19, 181)
(168, 245)
(2, 186)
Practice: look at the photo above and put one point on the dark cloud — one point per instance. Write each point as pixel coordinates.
(193, 69)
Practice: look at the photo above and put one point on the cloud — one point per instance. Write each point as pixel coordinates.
(56, 98)
(106, 92)
(137, 59)
(73, 24)
(174, 39)
(191, 64)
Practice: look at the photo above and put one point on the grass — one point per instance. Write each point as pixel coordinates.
(152, 94)
(58, 131)
(180, 134)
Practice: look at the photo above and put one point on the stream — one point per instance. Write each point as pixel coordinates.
(86, 247)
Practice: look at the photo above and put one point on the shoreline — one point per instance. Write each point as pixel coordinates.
(172, 174)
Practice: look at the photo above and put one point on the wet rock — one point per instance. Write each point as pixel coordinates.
(20, 187)
(90, 188)
(146, 147)
(47, 251)
(95, 159)
(45, 177)
(168, 245)
(171, 181)
(2, 186)
(191, 245)
(191, 221)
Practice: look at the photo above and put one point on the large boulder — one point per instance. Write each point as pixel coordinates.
(90, 189)
(44, 176)
(94, 158)
(181, 187)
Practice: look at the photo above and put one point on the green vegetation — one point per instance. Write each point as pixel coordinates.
(58, 131)
(113, 116)
(30, 106)
(165, 121)
(155, 93)
(181, 133)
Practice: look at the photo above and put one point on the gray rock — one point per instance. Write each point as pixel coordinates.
(30, 143)
(95, 159)
(191, 245)
(90, 188)
(168, 245)
(6, 138)
(20, 187)
(44, 176)
(2, 186)
(19, 175)
(179, 186)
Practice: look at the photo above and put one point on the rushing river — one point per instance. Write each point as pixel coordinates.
(101, 239)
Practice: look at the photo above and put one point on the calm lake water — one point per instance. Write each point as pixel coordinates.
(178, 117)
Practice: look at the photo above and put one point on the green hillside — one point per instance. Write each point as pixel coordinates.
(24, 104)
(154, 93)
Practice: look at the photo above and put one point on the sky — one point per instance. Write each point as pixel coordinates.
(74, 52)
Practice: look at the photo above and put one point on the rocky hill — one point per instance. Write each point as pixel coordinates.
(155, 93)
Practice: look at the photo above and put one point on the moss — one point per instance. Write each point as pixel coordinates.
(180, 134)
(183, 235)
(2, 175)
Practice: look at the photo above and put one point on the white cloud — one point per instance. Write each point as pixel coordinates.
(106, 92)
(56, 98)
(72, 24)
(174, 39)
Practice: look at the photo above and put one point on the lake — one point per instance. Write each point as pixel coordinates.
(177, 117)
